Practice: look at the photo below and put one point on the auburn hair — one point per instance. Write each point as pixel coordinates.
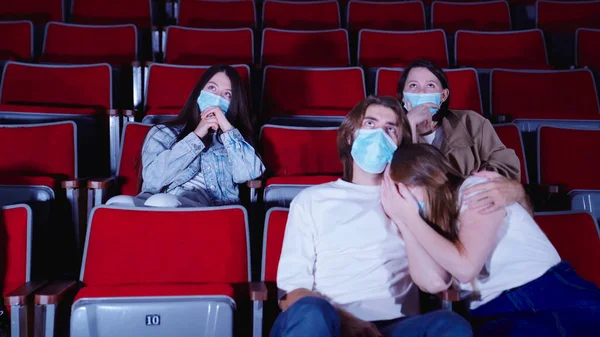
(424, 165)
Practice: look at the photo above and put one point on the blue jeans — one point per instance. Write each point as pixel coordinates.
(559, 303)
(315, 317)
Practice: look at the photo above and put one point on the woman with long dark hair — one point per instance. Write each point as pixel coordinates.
(519, 285)
(199, 157)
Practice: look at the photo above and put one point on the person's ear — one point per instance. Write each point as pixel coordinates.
(445, 95)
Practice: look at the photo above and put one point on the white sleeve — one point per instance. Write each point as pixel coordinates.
(469, 182)
(297, 260)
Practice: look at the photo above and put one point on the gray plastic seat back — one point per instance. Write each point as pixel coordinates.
(181, 316)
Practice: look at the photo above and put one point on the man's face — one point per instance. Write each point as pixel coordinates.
(378, 116)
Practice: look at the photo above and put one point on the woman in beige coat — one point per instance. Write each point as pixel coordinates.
(466, 138)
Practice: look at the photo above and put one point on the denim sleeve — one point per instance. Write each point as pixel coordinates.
(246, 163)
(164, 159)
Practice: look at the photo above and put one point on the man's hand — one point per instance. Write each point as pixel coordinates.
(355, 327)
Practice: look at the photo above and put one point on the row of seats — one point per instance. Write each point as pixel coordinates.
(401, 15)
(294, 91)
(295, 157)
(118, 45)
(551, 15)
(136, 283)
(88, 12)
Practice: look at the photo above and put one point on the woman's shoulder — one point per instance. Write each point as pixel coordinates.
(468, 116)
(470, 182)
(163, 134)
(165, 130)
(470, 120)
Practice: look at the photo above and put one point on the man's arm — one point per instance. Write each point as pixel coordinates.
(295, 274)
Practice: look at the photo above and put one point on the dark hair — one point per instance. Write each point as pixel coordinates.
(353, 122)
(437, 72)
(424, 165)
(238, 113)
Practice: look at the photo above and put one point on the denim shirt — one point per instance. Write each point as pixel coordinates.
(168, 164)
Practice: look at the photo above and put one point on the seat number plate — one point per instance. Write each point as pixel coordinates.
(152, 319)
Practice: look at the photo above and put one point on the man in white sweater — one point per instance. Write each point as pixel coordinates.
(343, 269)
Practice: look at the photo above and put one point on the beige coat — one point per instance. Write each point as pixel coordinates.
(471, 144)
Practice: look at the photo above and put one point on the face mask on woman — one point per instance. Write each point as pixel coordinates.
(418, 99)
(208, 99)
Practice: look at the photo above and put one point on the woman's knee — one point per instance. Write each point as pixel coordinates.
(162, 200)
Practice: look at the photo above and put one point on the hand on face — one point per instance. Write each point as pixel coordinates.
(208, 121)
(420, 116)
(493, 195)
(217, 113)
(397, 201)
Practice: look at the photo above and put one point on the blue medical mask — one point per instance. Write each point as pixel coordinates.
(208, 99)
(418, 99)
(372, 150)
(421, 208)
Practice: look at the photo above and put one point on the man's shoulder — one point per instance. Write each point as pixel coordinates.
(316, 191)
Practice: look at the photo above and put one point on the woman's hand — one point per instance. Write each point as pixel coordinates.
(419, 117)
(397, 201)
(220, 116)
(208, 121)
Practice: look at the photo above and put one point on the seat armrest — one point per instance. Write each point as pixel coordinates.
(453, 294)
(101, 183)
(544, 188)
(98, 191)
(547, 197)
(254, 183)
(254, 186)
(258, 291)
(73, 183)
(21, 295)
(498, 119)
(450, 295)
(55, 292)
(128, 116)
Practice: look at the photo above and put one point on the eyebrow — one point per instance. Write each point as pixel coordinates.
(376, 120)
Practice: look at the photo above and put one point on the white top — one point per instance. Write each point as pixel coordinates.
(435, 138)
(339, 243)
(523, 253)
(430, 137)
(196, 183)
